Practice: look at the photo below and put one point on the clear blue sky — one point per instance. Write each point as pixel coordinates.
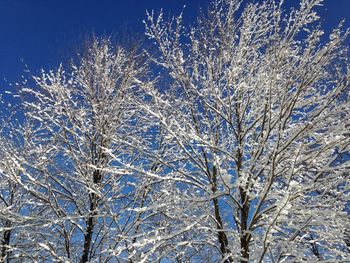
(43, 32)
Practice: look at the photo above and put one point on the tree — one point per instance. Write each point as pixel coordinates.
(80, 118)
(17, 203)
(256, 115)
(9, 201)
(230, 143)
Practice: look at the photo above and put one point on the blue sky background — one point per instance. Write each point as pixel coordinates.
(44, 32)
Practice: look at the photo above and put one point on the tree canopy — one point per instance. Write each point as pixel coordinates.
(224, 141)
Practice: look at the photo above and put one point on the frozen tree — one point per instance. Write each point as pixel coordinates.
(81, 118)
(16, 202)
(9, 199)
(237, 151)
(255, 120)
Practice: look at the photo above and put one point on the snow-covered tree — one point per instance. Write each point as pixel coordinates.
(81, 118)
(10, 203)
(237, 151)
(255, 120)
(16, 203)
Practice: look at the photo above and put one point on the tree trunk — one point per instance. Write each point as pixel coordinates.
(220, 228)
(4, 245)
(245, 237)
(90, 222)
